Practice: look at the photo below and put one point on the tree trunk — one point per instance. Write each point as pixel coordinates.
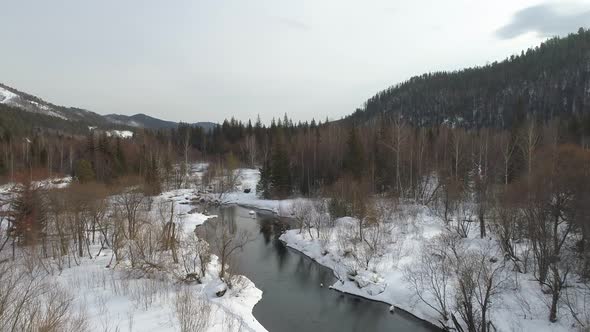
(482, 224)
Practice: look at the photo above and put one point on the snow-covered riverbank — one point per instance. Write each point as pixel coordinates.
(111, 295)
(519, 305)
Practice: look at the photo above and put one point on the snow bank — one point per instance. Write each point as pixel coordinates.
(114, 298)
(520, 307)
(120, 133)
(248, 178)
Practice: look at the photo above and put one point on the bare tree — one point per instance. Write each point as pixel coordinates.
(507, 148)
(169, 232)
(399, 137)
(430, 279)
(480, 278)
(192, 311)
(226, 176)
(249, 147)
(322, 221)
(225, 240)
(528, 141)
(131, 202)
(303, 212)
(195, 256)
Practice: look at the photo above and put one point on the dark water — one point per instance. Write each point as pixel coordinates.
(292, 298)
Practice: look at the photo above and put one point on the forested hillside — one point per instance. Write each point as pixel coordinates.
(18, 109)
(548, 81)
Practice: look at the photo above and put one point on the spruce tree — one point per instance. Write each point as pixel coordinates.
(84, 171)
(29, 215)
(354, 159)
(280, 171)
(263, 185)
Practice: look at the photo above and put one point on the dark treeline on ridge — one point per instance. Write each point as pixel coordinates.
(547, 81)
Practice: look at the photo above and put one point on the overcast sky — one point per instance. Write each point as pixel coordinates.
(209, 60)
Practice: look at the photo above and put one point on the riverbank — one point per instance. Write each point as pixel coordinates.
(110, 294)
(519, 302)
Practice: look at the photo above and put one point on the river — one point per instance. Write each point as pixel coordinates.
(293, 298)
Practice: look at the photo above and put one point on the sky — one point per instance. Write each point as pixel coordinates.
(197, 60)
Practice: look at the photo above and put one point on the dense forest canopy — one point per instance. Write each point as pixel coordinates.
(548, 81)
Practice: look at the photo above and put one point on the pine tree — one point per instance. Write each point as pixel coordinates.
(354, 159)
(280, 171)
(152, 177)
(84, 171)
(120, 160)
(29, 216)
(263, 185)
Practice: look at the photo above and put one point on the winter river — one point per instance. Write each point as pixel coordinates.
(293, 299)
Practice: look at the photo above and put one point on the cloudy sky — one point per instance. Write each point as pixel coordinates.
(199, 60)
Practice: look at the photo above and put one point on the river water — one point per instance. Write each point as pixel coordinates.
(293, 298)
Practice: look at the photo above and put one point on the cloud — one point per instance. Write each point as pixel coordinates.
(546, 20)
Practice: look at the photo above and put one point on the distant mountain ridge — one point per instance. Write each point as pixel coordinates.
(29, 103)
(549, 81)
(146, 121)
(17, 99)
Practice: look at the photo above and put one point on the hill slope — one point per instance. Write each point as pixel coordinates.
(13, 102)
(550, 80)
(146, 121)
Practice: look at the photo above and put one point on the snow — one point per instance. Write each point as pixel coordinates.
(11, 98)
(51, 183)
(520, 306)
(6, 96)
(114, 301)
(113, 298)
(248, 178)
(120, 133)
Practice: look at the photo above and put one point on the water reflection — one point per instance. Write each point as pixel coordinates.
(293, 299)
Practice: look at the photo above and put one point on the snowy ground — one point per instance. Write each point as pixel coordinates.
(520, 306)
(248, 180)
(114, 298)
(114, 301)
(120, 133)
(6, 96)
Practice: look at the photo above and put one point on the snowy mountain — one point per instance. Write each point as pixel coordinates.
(12, 97)
(29, 103)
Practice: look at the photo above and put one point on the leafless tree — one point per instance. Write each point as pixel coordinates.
(249, 147)
(479, 279)
(195, 256)
(131, 203)
(192, 310)
(431, 277)
(225, 240)
(303, 212)
(166, 217)
(322, 222)
(463, 219)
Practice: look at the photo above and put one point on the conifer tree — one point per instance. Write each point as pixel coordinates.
(29, 216)
(354, 159)
(84, 171)
(280, 171)
(263, 185)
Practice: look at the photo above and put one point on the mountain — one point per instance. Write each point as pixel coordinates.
(548, 81)
(146, 121)
(12, 97)
(53, 116)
